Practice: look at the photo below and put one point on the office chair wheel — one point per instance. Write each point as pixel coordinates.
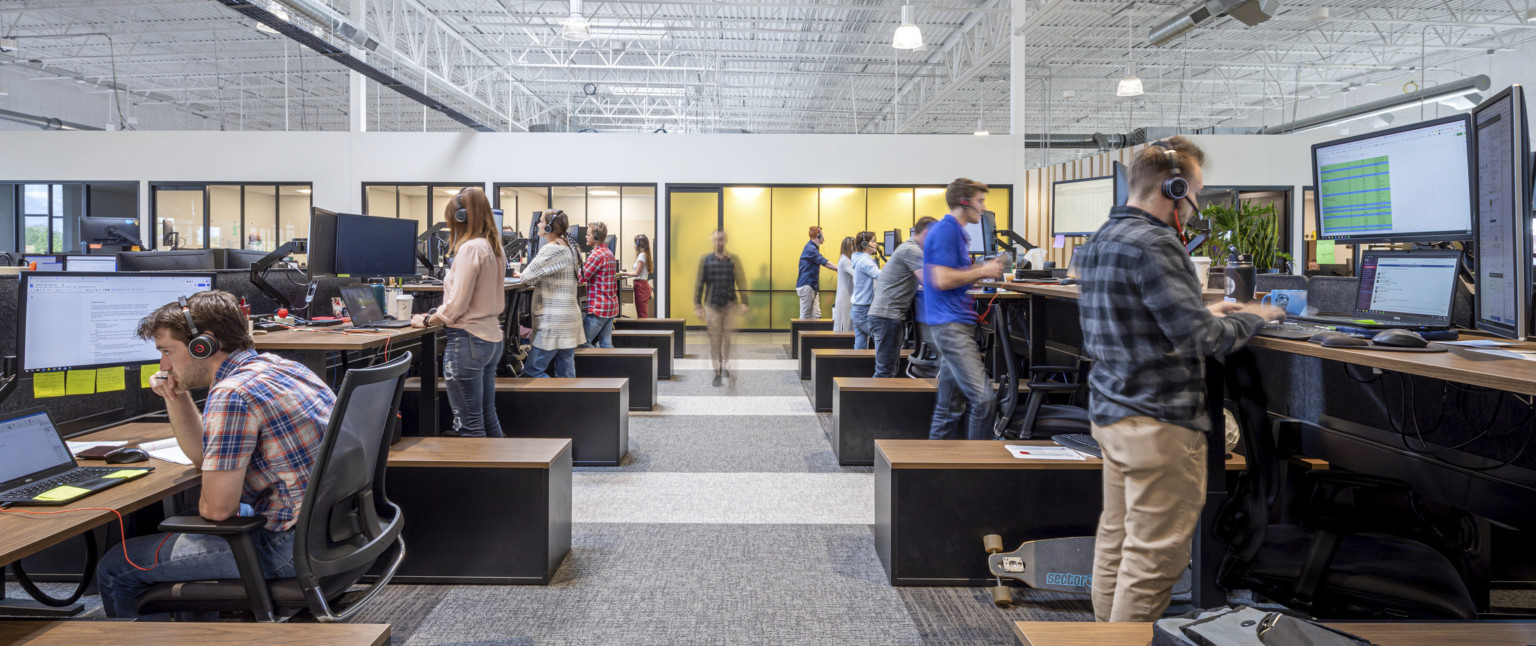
(993, 543)
(1002, 596)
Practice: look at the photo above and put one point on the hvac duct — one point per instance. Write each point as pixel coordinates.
(1465, 88)
(45, 123)
(1250, 12)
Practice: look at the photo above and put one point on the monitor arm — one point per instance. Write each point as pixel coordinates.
(258, 278)
(430, 237)
(1010, 238)
(8, 382)
(128, 236)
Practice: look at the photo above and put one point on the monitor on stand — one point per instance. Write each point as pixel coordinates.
(1503, 231)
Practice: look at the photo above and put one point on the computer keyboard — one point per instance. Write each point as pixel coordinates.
(1080, 443)
(1290, 331)
(40, 487)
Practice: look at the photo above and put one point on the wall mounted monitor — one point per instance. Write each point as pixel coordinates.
(1080, 206)
(1503, 229)
(91, 320)
(179, 260)
(345, 244)
(1407, 184)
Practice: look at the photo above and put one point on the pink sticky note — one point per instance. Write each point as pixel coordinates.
(1059, 242)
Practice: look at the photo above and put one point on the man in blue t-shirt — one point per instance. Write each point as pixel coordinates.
(950, 315)
(808, 284)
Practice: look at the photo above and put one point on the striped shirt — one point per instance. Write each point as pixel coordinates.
(265, 415)
(557, 317)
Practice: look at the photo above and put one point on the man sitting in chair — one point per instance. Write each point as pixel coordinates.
(255, 442)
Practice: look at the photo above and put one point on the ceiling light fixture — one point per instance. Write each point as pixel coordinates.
(907, 36)
(1530, 15)
(276, 12)
(576, 27)
(1131, 84)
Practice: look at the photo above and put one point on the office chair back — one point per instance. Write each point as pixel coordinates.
(347, 523)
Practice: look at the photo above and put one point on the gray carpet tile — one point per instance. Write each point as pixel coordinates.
(780, 383)
(723, 498)
(967, 616)
(690, 584)
(403, 607)
(742, 444)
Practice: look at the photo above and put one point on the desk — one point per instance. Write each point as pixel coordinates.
(438, 289)
(832, 363)
(675, 326)
(797, 326)
(75, 633)
(312, 345)
(1408, 633)
(811, 340)
(1512, 375)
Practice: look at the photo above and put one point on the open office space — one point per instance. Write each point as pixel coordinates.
(662, 322)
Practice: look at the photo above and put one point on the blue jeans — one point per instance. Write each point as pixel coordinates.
(184, 557)
(963, 388)
(550, 363)
(889, 335)
(599, 331)
(469, 367)
(859, 314)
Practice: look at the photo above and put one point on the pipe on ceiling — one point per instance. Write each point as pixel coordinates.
(1463, 87)
(45, 123)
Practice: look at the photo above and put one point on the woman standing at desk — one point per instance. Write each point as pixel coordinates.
(842, 316)
(641, 272)
(557, 319)
(472, 302)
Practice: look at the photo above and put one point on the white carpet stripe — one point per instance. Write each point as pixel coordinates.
(737, 364)
(724, 498)
(726, 406)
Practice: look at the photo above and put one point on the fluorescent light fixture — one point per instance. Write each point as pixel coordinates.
(302, 191)
(1463, 92)
(642, 90)
(907, 36)
(1530, 15)
(275, 11)
(576, 27)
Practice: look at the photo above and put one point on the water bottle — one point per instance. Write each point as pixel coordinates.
(1241, 277)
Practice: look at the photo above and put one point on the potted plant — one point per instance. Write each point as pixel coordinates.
(1248, 229)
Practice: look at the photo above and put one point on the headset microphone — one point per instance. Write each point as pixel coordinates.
(202, 345)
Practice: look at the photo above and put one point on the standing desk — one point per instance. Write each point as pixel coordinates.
(311, 346)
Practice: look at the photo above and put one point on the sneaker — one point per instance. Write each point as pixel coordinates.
(718, 381)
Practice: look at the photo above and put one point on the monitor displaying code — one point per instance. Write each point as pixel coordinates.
(83, 321)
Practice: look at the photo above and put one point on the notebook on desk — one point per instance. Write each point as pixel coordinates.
(36, 467)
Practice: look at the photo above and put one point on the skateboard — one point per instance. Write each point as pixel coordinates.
(1056, 564)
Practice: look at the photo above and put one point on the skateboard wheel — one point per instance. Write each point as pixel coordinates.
(993, 543)
(1002, 596)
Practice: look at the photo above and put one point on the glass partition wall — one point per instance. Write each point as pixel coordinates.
(628, 210)
(44, 217)
(258, 217)
(421, 202)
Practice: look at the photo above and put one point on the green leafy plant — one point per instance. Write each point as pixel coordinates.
(1248, 229)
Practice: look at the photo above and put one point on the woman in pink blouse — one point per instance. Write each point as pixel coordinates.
(472, 302)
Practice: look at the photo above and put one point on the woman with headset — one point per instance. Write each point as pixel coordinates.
(641, 272)
(472, 302)
(557, 328)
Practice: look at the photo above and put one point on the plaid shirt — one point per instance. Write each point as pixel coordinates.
(721, 277)
(600, 273)
(1145, 325)
(265, 415)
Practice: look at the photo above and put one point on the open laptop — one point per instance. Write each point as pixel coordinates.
(36, 467)
(1402, 289)
(364, 309)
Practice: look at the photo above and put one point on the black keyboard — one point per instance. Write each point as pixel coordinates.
(1290, 331)
(1080, 443)
(79, 474)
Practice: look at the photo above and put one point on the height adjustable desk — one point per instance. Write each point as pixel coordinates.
(311, 346)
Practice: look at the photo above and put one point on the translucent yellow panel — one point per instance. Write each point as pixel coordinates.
(747, 227)
(842, 216)
(786, 306)
(794, 213)
(930, 202)
(890, 208)
(224, 217)
(998, 202)
(757, 315)
(693, 220)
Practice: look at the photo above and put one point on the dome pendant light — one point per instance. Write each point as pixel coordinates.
(907, 36)
(1131, 84)
(576, 26)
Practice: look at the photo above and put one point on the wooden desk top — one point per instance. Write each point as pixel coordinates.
(547, 385)
(336, 339)
(644, 332)
(482, 452)
(984, 454)
(76, 632)
(1513, 375)
(805, 321)
(1082, 633)
(981, 295)
(850, 352)
(827, 333)
(1071, 291)
(885, 384)
(22, 535)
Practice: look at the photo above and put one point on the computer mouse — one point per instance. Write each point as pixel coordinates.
(1338, 340)
(1400, 339)
(127, 455)
(1068, 281)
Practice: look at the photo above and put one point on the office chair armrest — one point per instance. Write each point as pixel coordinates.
(237, 531)
(1035, 370)
(195, 524)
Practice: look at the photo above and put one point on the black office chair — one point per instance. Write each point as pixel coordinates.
(923, 363)
(1322, 564)
(346, 523)
(1039, 419)
(514, 353)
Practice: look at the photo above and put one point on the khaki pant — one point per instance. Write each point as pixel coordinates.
(810, 302)
(1154, 489)
(720, 321)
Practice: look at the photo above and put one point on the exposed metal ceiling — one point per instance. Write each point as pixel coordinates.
(760, 66)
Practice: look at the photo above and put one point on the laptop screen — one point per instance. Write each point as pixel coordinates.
(361, 305)
(1417, 284)
(29, 444)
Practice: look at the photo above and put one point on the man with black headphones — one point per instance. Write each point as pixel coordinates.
(254, 441)
(1148, 332)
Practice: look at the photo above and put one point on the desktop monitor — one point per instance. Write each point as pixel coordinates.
(90, 263)
(892, 240)
(180, 260)
(45, 262)
(578, 236)
(534, 233)
(499, 216)
(1080, 206)
(98, 232)
(1503, 229)
(242, 258)
(988, 234)
(1122, 177)
(91, 320)
(1407, 184)
(613, 244)
(345, 244)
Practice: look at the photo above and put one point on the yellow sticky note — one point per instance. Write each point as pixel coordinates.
(127, 473)
(56, 494)
(1325, 255)
(110, 379)
(47, 384)
(82, 382)
(145, 372)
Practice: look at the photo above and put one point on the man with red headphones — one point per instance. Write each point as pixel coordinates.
(254, 441)
(1148, 332)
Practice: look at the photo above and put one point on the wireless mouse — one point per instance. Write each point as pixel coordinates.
(1400, 339)
(127, 455)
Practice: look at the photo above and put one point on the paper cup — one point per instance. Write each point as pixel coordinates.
(1202, 269)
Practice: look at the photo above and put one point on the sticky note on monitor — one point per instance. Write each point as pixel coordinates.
(1326, 252)
(145, 372)
(110, 380)
(47, 384)
(81, 382)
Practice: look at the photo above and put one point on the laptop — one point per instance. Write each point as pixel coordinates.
(36, 467)
(364, 309)
(1402, 289)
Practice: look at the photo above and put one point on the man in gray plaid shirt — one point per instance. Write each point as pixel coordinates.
(1148, 332)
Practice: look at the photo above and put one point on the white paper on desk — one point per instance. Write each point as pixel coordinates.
(168, 450)
(1043, 452)
(77, 447)
(1509, 354)
(1478, 343)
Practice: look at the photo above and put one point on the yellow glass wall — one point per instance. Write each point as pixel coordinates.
(694, 218)
(889, 208)
(930, 202)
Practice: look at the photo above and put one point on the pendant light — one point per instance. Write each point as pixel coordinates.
(1131, 84)
(575, 25)
(981, 115)
(907, 36)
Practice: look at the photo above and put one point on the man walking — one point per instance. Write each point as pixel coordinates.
(808, 285)
(894, 291)
(720, 276)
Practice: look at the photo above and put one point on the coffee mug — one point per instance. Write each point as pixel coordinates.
(1293, 301)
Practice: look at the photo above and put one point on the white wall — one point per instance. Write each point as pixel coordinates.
(1277, 160)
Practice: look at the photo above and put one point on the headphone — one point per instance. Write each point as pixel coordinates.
(1176, 187)
(202, 345)
(460, 215)
(966, 202)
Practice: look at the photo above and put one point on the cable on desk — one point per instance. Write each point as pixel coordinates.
(122, 531)
(85, 578)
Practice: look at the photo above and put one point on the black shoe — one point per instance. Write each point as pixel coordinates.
(718, 381)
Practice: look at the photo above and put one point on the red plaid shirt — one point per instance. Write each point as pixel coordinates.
(600, 275)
